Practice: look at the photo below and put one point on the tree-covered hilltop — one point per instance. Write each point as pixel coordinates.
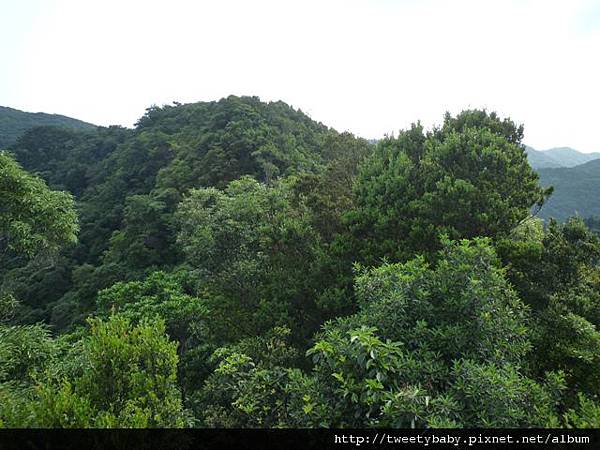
(240, 265)
(14, 123)
(128, 183)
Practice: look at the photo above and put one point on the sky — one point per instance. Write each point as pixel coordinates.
(371, 67)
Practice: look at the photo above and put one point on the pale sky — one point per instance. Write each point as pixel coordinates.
(370, 67)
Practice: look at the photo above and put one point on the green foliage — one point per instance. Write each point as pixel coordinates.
(438, 347)
(126, 378)
(461, 308)
(164, 296)
(329, 193)
(569, 342)
(38, 286)
(435, 346)
(364, 381)
(72, 307)
(160, 295)
(586, 415)
(220, 141)
(329, 196)
(545, 262)
(24, 352)
(501, 396)
(7, 306)
(35, 223)
(65, 158)
(175, 148)
(470, 178)
(145, 238)
(254, 254)
(33, 219)
(249, 387)
(128, 183)
(557, 274)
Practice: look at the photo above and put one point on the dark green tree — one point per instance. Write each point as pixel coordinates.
(469, 178)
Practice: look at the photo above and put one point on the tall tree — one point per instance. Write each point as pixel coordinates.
(469, 178)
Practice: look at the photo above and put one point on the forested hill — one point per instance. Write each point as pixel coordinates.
(576, 190)
(13, 123)
(128, 182)
(199, 144)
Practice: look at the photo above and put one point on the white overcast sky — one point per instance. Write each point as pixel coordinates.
(370, 67)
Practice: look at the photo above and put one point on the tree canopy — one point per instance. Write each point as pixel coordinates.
(237, 264)
(466, 179)
(33, 218)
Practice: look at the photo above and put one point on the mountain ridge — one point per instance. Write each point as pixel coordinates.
(557, 157)
(14, 123)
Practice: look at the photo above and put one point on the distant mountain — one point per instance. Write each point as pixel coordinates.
(13, 123)
(568, 157)
(539, 160)
(558, 157)
(576, 190)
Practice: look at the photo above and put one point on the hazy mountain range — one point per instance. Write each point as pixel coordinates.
(13, 123)
(558, 157)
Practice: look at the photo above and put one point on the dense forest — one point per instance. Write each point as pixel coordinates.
(236, 264)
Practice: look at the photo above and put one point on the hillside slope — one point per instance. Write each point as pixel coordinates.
(128, 182)
(576, 190)
(14, 123)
